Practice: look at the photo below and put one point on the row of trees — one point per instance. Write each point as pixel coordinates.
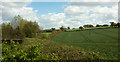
(112, 24)
(19, 28)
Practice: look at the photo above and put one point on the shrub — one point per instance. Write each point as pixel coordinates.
(11, 53)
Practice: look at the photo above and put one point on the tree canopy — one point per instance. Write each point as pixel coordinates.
(19, 28)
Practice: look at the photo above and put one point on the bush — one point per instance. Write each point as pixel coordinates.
(105, 25)
(62, 28)
(11, 53)
(88, 25)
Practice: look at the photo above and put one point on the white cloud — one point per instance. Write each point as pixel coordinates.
(57, 20)
(16, 0)
(100, 14)
(11, 9)
(94, 0)
(75, 10)
(73, 24)
(52, 20)
(119, 11)
(112, 21)
(92, 3)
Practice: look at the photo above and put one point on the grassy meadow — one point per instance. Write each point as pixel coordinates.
(104, 41)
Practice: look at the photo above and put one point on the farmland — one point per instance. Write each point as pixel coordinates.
(27, 41)
(104, 41)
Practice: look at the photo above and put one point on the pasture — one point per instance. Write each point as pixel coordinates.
(103, 41)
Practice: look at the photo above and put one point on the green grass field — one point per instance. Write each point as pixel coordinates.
(104, 41)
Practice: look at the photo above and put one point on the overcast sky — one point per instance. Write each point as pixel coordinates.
(56, 13)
